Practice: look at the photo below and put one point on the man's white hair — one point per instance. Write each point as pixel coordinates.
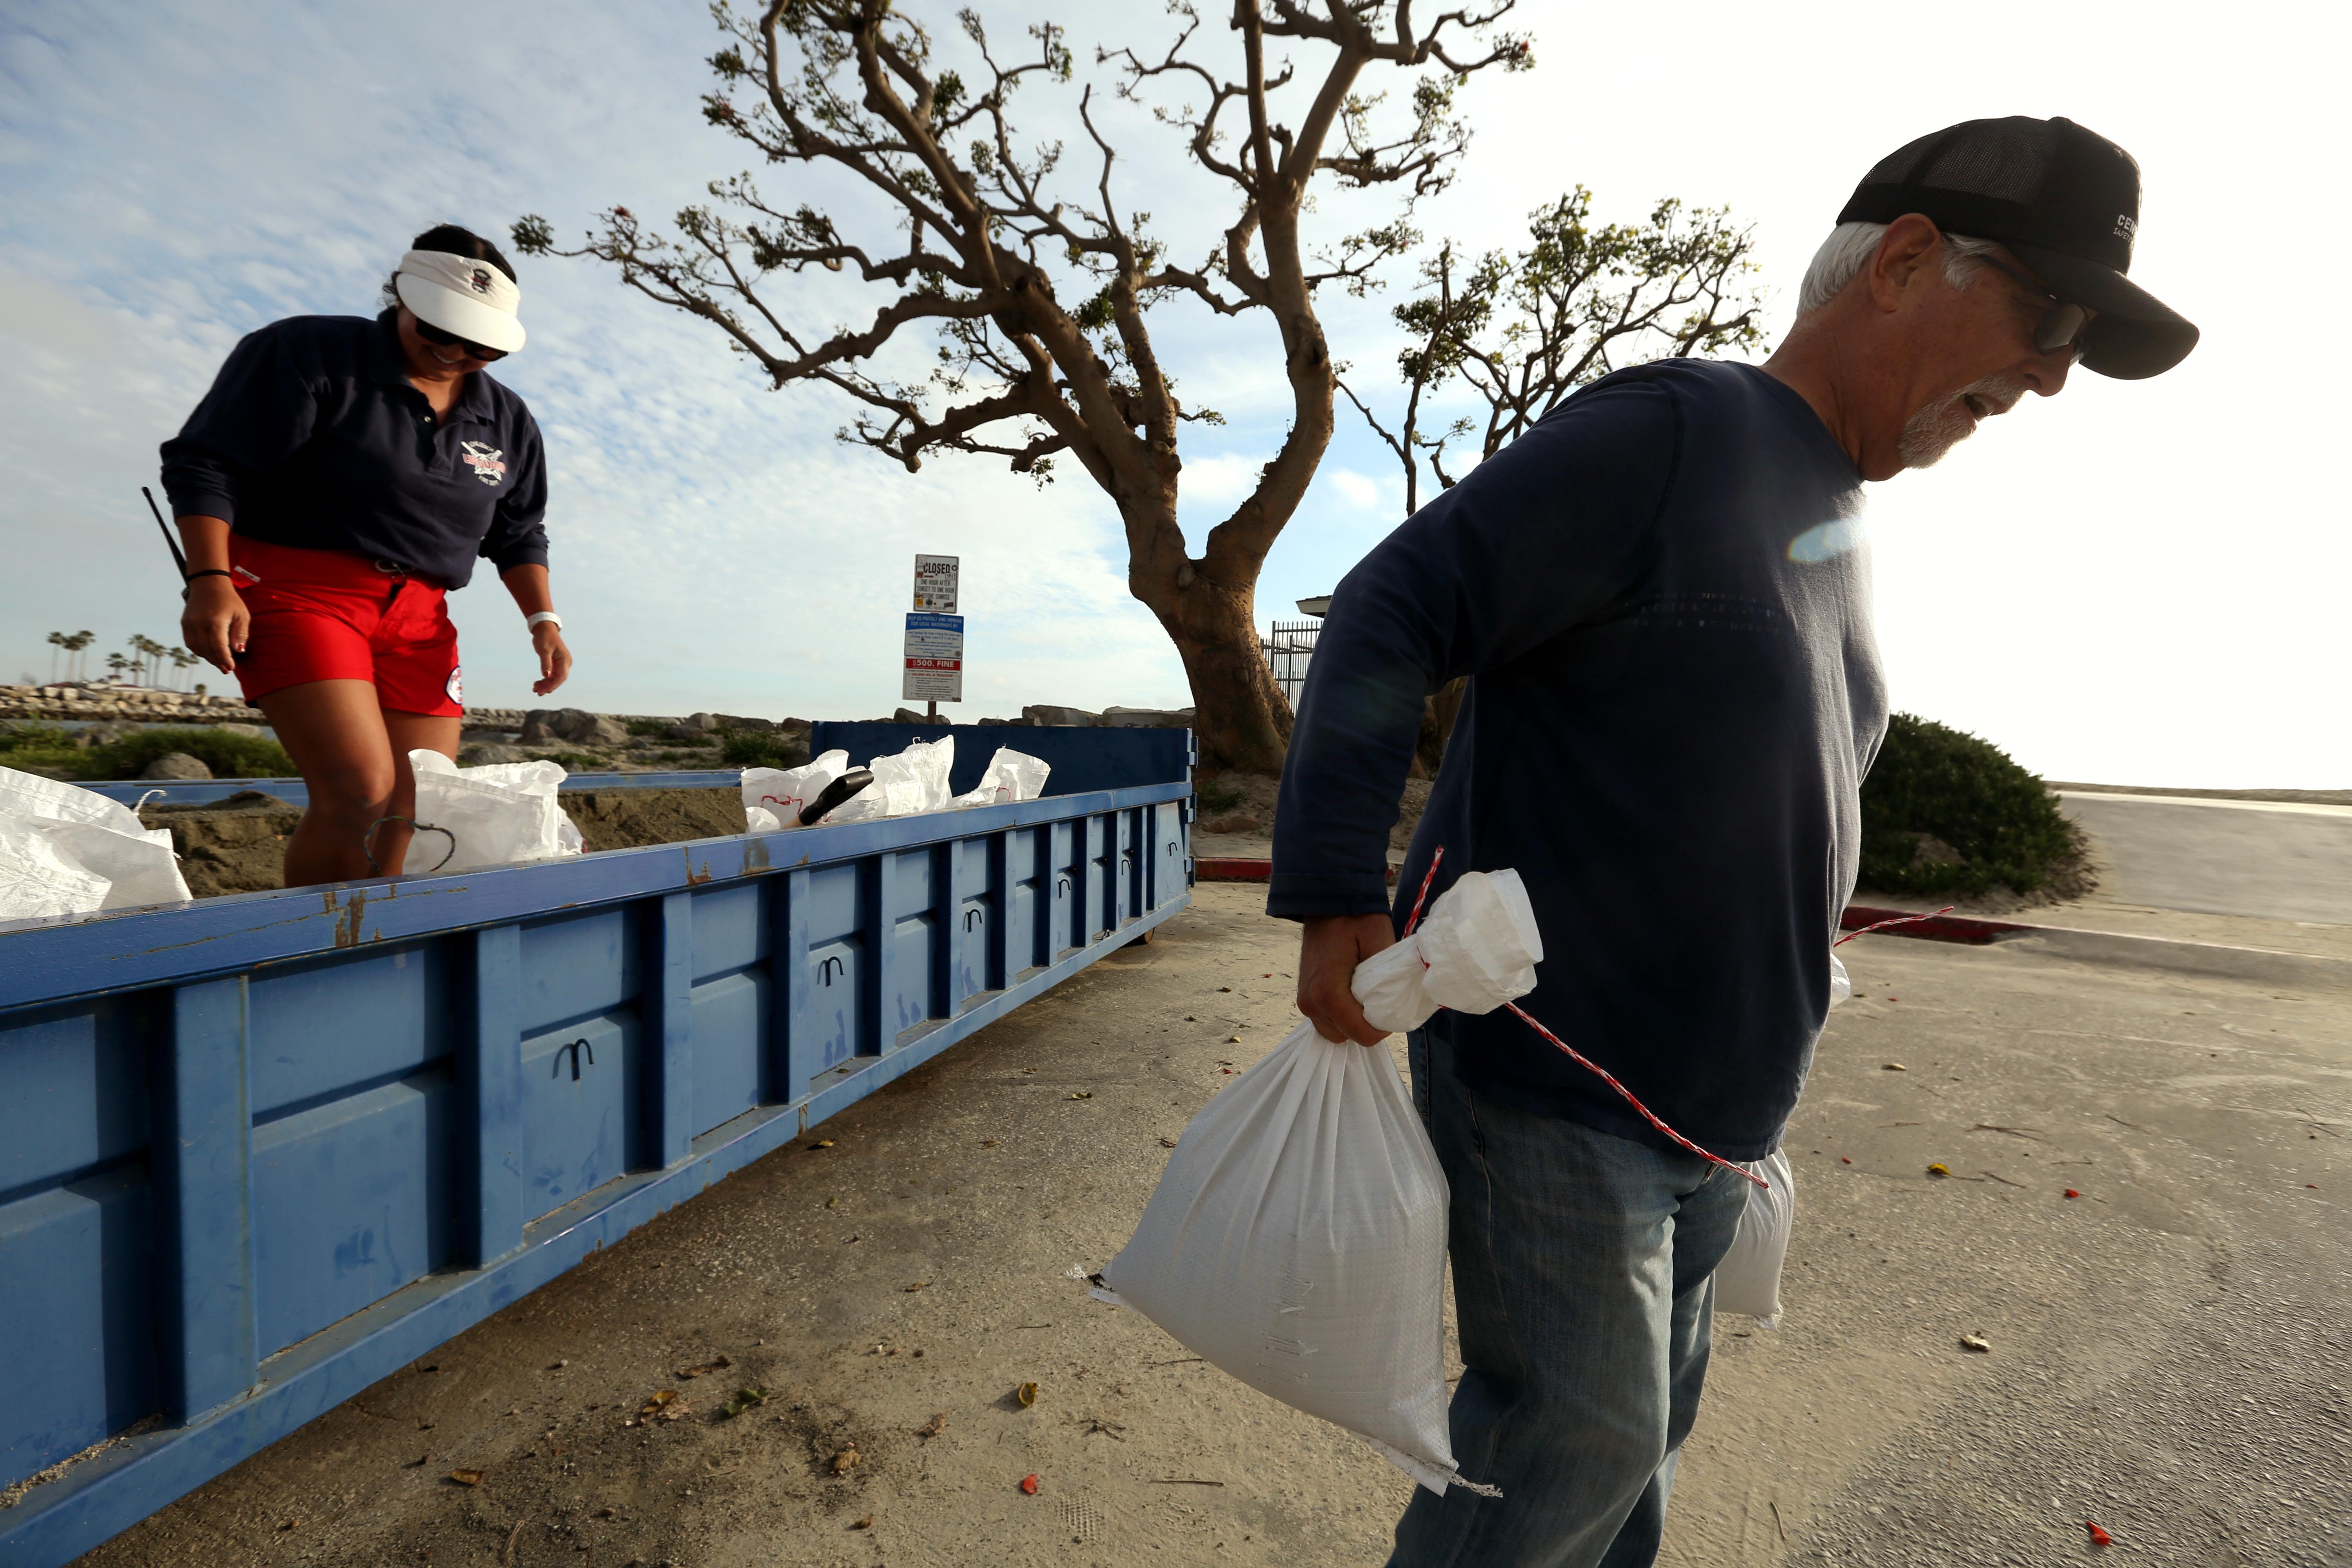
(1849, 247)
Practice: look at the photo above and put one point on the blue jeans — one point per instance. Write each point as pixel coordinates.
(1583, 1268)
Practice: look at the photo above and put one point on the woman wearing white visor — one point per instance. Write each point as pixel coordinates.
(340, 476)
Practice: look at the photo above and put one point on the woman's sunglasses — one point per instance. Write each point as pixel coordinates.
(2062, 325)
(433, 334)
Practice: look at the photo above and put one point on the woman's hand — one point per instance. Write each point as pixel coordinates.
(213, 623)
(554, 658)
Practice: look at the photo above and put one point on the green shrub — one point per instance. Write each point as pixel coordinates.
(32, 738)
(1217, 795)
(655, 726)
(230, 755)
(1945, 812)
(761, 749)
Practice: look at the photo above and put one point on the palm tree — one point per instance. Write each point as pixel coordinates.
(57, 642)
(73, 645)
(180, 658)
(118, 664)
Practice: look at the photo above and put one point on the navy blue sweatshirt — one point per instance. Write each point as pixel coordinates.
(313, 437)
(1662, 599)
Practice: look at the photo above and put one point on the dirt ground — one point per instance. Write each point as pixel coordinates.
(2167, 1349)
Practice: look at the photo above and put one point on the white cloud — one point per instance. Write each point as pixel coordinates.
(1355, 488)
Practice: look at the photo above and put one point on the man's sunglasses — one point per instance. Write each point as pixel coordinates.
(2062, 325)
(433, 334)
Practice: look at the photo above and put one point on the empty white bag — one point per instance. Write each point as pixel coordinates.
(495, 814)
(1012, 775)
(1297, 1239)
(773, 798)
(1749, 1279)
(65, 851)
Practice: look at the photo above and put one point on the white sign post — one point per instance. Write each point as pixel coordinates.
(935, 635)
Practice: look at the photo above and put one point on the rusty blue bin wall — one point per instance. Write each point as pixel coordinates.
(262, 1150)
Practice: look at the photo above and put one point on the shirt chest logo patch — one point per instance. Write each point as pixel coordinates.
(488, 463)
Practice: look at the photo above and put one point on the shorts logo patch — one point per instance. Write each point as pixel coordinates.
(456, 687)
(488, 463)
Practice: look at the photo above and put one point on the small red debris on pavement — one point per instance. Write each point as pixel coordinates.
(1029, 1485)
(1846, 1159)
(2098, 1537)
(2073, 1193)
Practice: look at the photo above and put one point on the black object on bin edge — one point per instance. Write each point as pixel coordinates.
(833, 793)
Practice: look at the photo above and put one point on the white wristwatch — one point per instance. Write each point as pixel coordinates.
(548, 616)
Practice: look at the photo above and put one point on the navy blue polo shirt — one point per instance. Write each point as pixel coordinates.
(313, 437)
(1661, 597)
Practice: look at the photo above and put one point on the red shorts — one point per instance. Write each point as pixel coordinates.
(321, 615)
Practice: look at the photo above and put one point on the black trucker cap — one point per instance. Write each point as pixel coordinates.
(2064, 200)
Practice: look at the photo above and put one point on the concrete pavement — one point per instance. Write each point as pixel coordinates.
(2268, 859)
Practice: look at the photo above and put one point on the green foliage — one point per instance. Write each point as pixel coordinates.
(654, 727)
(574, 762)
(763, 749)
(1217, 795)
(31, 738)
(1945, 812)
(228, 754)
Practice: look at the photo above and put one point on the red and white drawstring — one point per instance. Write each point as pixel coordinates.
(1579, 1057)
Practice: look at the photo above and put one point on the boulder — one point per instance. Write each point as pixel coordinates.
(544, 726)
(1046, 714)
(705, 723)
(176, 765)
(908, 716)
(1147, 719)
(238, 728)
(482, 751)
(738, 721)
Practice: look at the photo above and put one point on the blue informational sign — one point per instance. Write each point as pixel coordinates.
(934, 659)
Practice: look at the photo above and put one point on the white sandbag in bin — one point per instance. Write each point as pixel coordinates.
(773, 798)
(913, 782)
(65, 851)
(1012, 775)
(494, 814)
(1748, 1281)
(1297, 1239)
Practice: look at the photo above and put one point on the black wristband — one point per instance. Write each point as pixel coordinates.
(210, 572)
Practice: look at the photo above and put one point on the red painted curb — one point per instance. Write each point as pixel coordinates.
(1961, 929)
(1240, 868)
(1934, 927)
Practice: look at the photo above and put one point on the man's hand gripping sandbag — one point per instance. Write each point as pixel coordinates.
(1298, 1237)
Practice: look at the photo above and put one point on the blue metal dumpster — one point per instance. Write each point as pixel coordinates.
(258, 1151)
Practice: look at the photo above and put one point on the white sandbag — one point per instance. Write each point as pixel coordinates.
(1749, 1279)
(1297, 1239)
(908, 785)
(99, 841)
(37, 879)
(1475, 948)
(1010, 775)
(773, 798)
(496, 814)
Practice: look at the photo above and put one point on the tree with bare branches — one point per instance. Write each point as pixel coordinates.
(1040, 295)
(1522, 331)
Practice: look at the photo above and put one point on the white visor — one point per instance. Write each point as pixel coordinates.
(461, 294)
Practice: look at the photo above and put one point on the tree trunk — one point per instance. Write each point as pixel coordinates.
(1238, 712)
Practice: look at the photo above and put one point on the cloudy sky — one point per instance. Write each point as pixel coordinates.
(2135, 583)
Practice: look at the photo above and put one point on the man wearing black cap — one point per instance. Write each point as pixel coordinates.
(1661, 598)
